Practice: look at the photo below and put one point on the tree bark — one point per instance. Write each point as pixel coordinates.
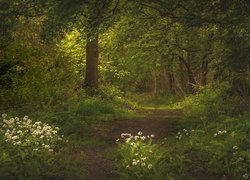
(154, 82)
(191, 78)
(204, 71)
(92, 54)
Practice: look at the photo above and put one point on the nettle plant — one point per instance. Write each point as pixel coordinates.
(36, 136)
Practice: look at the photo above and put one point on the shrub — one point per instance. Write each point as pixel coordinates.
(209, 102)
(26, 147)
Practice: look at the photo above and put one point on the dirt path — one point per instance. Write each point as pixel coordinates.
(161, 123)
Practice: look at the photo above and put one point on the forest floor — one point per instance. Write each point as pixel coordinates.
(161, 123)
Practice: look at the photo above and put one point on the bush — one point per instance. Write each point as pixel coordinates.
(26, 147)
(209, 102)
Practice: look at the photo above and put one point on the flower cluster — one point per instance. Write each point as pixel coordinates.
(219, 133)
(129, 138)
(25, 133)
(235, 147)
(245, 176)
(182, 133)
(140, 148)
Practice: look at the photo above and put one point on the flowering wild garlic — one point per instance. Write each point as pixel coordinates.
(135, 143)
(220, 133)
(25, 133)
(182, 133)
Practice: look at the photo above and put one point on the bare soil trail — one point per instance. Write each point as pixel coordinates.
(161, 123)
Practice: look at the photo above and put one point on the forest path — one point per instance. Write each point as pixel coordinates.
(161, 123)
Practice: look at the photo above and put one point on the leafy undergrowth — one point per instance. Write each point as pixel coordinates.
(213, 143)
(27, 148)
(219, 148)
(212, 101)
(149, 101)
(215, 135)
(216, 149)
(24, 157)
(138, 157)
(95, 109)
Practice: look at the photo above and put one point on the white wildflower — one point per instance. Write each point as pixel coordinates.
(235, 147)
(240, 159)
(136, 137)
(134, 163)
(150, 166)
(246, 175)
(142, 137)
(139, 133)
(4, 115)
(132, 144)
(15, 137)
(47, 146)
(18, 143)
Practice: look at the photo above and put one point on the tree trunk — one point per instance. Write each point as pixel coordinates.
(92, 54)
(204, 71)
(171, 80)
(190, 74)
(154, 82)
(182, 79)
(205, 61)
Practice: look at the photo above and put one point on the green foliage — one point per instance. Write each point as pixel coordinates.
(66, 164)
(137, 157)
(148, 100)
(31, 155)
(98, 109)
(160, 49)
(221, 147)
(90, 107)
(209, 102)
(26, 148)
(35, 75)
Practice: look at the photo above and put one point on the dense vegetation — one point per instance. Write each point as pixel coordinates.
(68, 67)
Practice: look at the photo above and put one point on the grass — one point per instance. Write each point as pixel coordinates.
(76, 121)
